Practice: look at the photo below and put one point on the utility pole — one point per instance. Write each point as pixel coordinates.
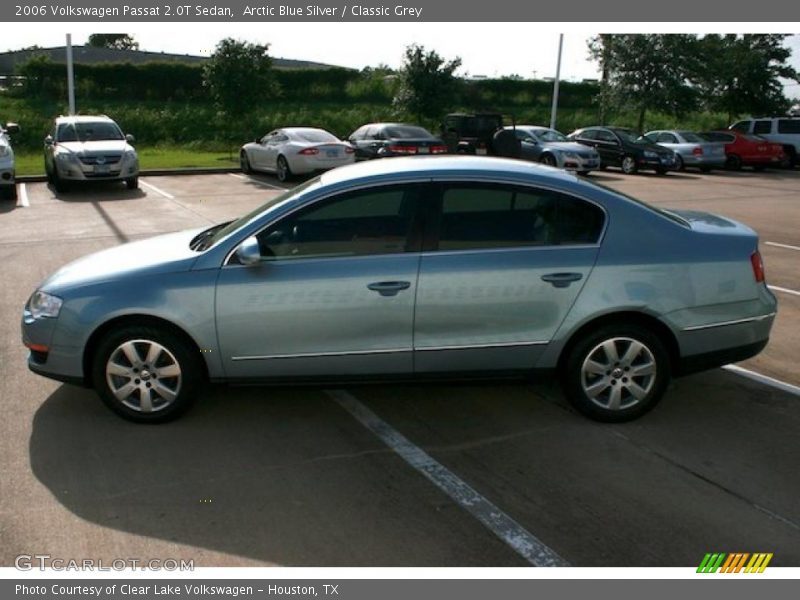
(554, 108)
(70, 76)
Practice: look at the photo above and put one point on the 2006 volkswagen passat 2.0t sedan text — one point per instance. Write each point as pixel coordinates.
(412, 267)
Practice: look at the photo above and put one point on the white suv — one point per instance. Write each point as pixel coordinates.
(780, 130)
(84, 148)
(8, 187)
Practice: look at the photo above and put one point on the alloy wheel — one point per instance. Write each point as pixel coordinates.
(143, 375)
(618, 373)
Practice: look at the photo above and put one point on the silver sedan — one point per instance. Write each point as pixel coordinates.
(296, 151)
(553, 148)
(690, 149)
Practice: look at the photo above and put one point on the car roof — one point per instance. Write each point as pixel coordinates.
(83, 119)
(399, 168)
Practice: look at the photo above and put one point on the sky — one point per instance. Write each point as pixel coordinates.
(496, 49)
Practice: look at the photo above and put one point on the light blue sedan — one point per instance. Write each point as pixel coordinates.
(412, 268)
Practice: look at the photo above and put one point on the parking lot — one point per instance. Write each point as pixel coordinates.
(377, 475)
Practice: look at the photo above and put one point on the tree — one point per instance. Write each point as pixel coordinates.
(646, 71)
(119, 41)
(239, 76)
(742, 74)
(428, 86)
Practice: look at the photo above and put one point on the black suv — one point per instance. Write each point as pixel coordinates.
(624, 148)
(479, 133)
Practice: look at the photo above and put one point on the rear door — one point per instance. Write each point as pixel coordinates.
(505, 266)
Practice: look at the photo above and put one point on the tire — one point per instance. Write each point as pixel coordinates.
(629, 166)
(61, 186)
(506, 144)
(121, 373)
(282, 170)
(590, 368)
(549, 160)
(733, 162)
(132, 183)
(244, 162)
(679, 166)
(8, 192)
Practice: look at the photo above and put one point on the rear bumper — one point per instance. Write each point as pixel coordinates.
(710, 360)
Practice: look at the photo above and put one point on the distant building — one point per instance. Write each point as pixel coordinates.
(89, 55)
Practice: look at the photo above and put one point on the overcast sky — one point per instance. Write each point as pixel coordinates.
(496, 49)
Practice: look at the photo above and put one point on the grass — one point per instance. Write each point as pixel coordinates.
(159, 157)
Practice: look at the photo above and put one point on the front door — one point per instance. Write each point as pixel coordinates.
(509, 264)
(333, 294)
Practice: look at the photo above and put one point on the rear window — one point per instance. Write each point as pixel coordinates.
(315, 136)
(407, 132)
(789, 126)
(691, 137)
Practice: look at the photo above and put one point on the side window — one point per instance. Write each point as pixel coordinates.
(762, 127)
(741, 126)
(606, 136)
(358, 133)
(789, 126)
(653, 137)
(666, 138)
(478, 216)
(589, 134)
(375, 221)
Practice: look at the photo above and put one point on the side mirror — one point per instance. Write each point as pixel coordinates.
(248, 252)
(49, 141)
(130, 139)
(12, 128)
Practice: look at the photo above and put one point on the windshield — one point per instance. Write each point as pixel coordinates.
(209, 237)
(691, 137)
(315, 136)
(85, 131)
(407, 132)
(549, 135)
(632, 138)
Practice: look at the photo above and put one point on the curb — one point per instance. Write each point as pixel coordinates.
(149, 173)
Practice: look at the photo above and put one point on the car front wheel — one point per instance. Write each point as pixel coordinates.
(146, 374)
(616, 373)
(629, 166)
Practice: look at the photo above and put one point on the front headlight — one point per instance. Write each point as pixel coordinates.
(4, 151)
(572, 155)
(43, 304)
(66, 157)
(130, 155)
(649, 154)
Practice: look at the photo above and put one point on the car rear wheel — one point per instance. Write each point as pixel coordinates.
(629, 166)
(616, 373)
(146, 374)
(733, 162)
(679, 166)
(284, 173)
(244, 162)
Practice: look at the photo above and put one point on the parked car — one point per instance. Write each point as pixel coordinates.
(551, 147)
(690, 149)
(412, 267)
(794, 111)
(624, 148)
(8, 185)
(742, 150)
(296, 151)
(89, 149)
(481, 134)
(382, 140)
(778, 130)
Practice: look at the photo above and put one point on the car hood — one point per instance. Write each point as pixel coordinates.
(97, 147)
(168, 253)
(569, 147)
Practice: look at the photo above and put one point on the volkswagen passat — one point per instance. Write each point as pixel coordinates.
(413, 267)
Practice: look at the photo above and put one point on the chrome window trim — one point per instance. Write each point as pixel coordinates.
(726, 323)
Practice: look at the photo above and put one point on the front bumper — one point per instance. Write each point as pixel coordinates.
(7, 174)
(78, 171)
(582, 163)
(668, 163)
(60, 362)
(313, 164)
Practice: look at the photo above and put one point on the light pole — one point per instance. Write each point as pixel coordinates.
(70, 76)
(554, 107)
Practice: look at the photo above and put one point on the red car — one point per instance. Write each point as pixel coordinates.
(742, 149)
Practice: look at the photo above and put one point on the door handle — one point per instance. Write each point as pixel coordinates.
(561, 280)
(389, 288)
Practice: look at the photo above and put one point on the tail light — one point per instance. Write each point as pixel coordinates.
(758, 266)
(438, 149)
(349, 150)
(309, 151)
(403, 149)
(697, 151)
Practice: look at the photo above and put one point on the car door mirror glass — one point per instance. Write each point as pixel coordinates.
(248, 252)
(130, 139)
(49, 141)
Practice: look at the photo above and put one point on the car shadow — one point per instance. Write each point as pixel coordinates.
(94, 192)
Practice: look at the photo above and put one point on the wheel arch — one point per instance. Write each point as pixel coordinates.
(96, 336)
(627, 317)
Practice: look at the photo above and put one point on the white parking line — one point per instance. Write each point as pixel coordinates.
(765, 379)
(783, 290)
(22, 196)
(257, 181)
(777, 245)
(150, 186)
(504, 527)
